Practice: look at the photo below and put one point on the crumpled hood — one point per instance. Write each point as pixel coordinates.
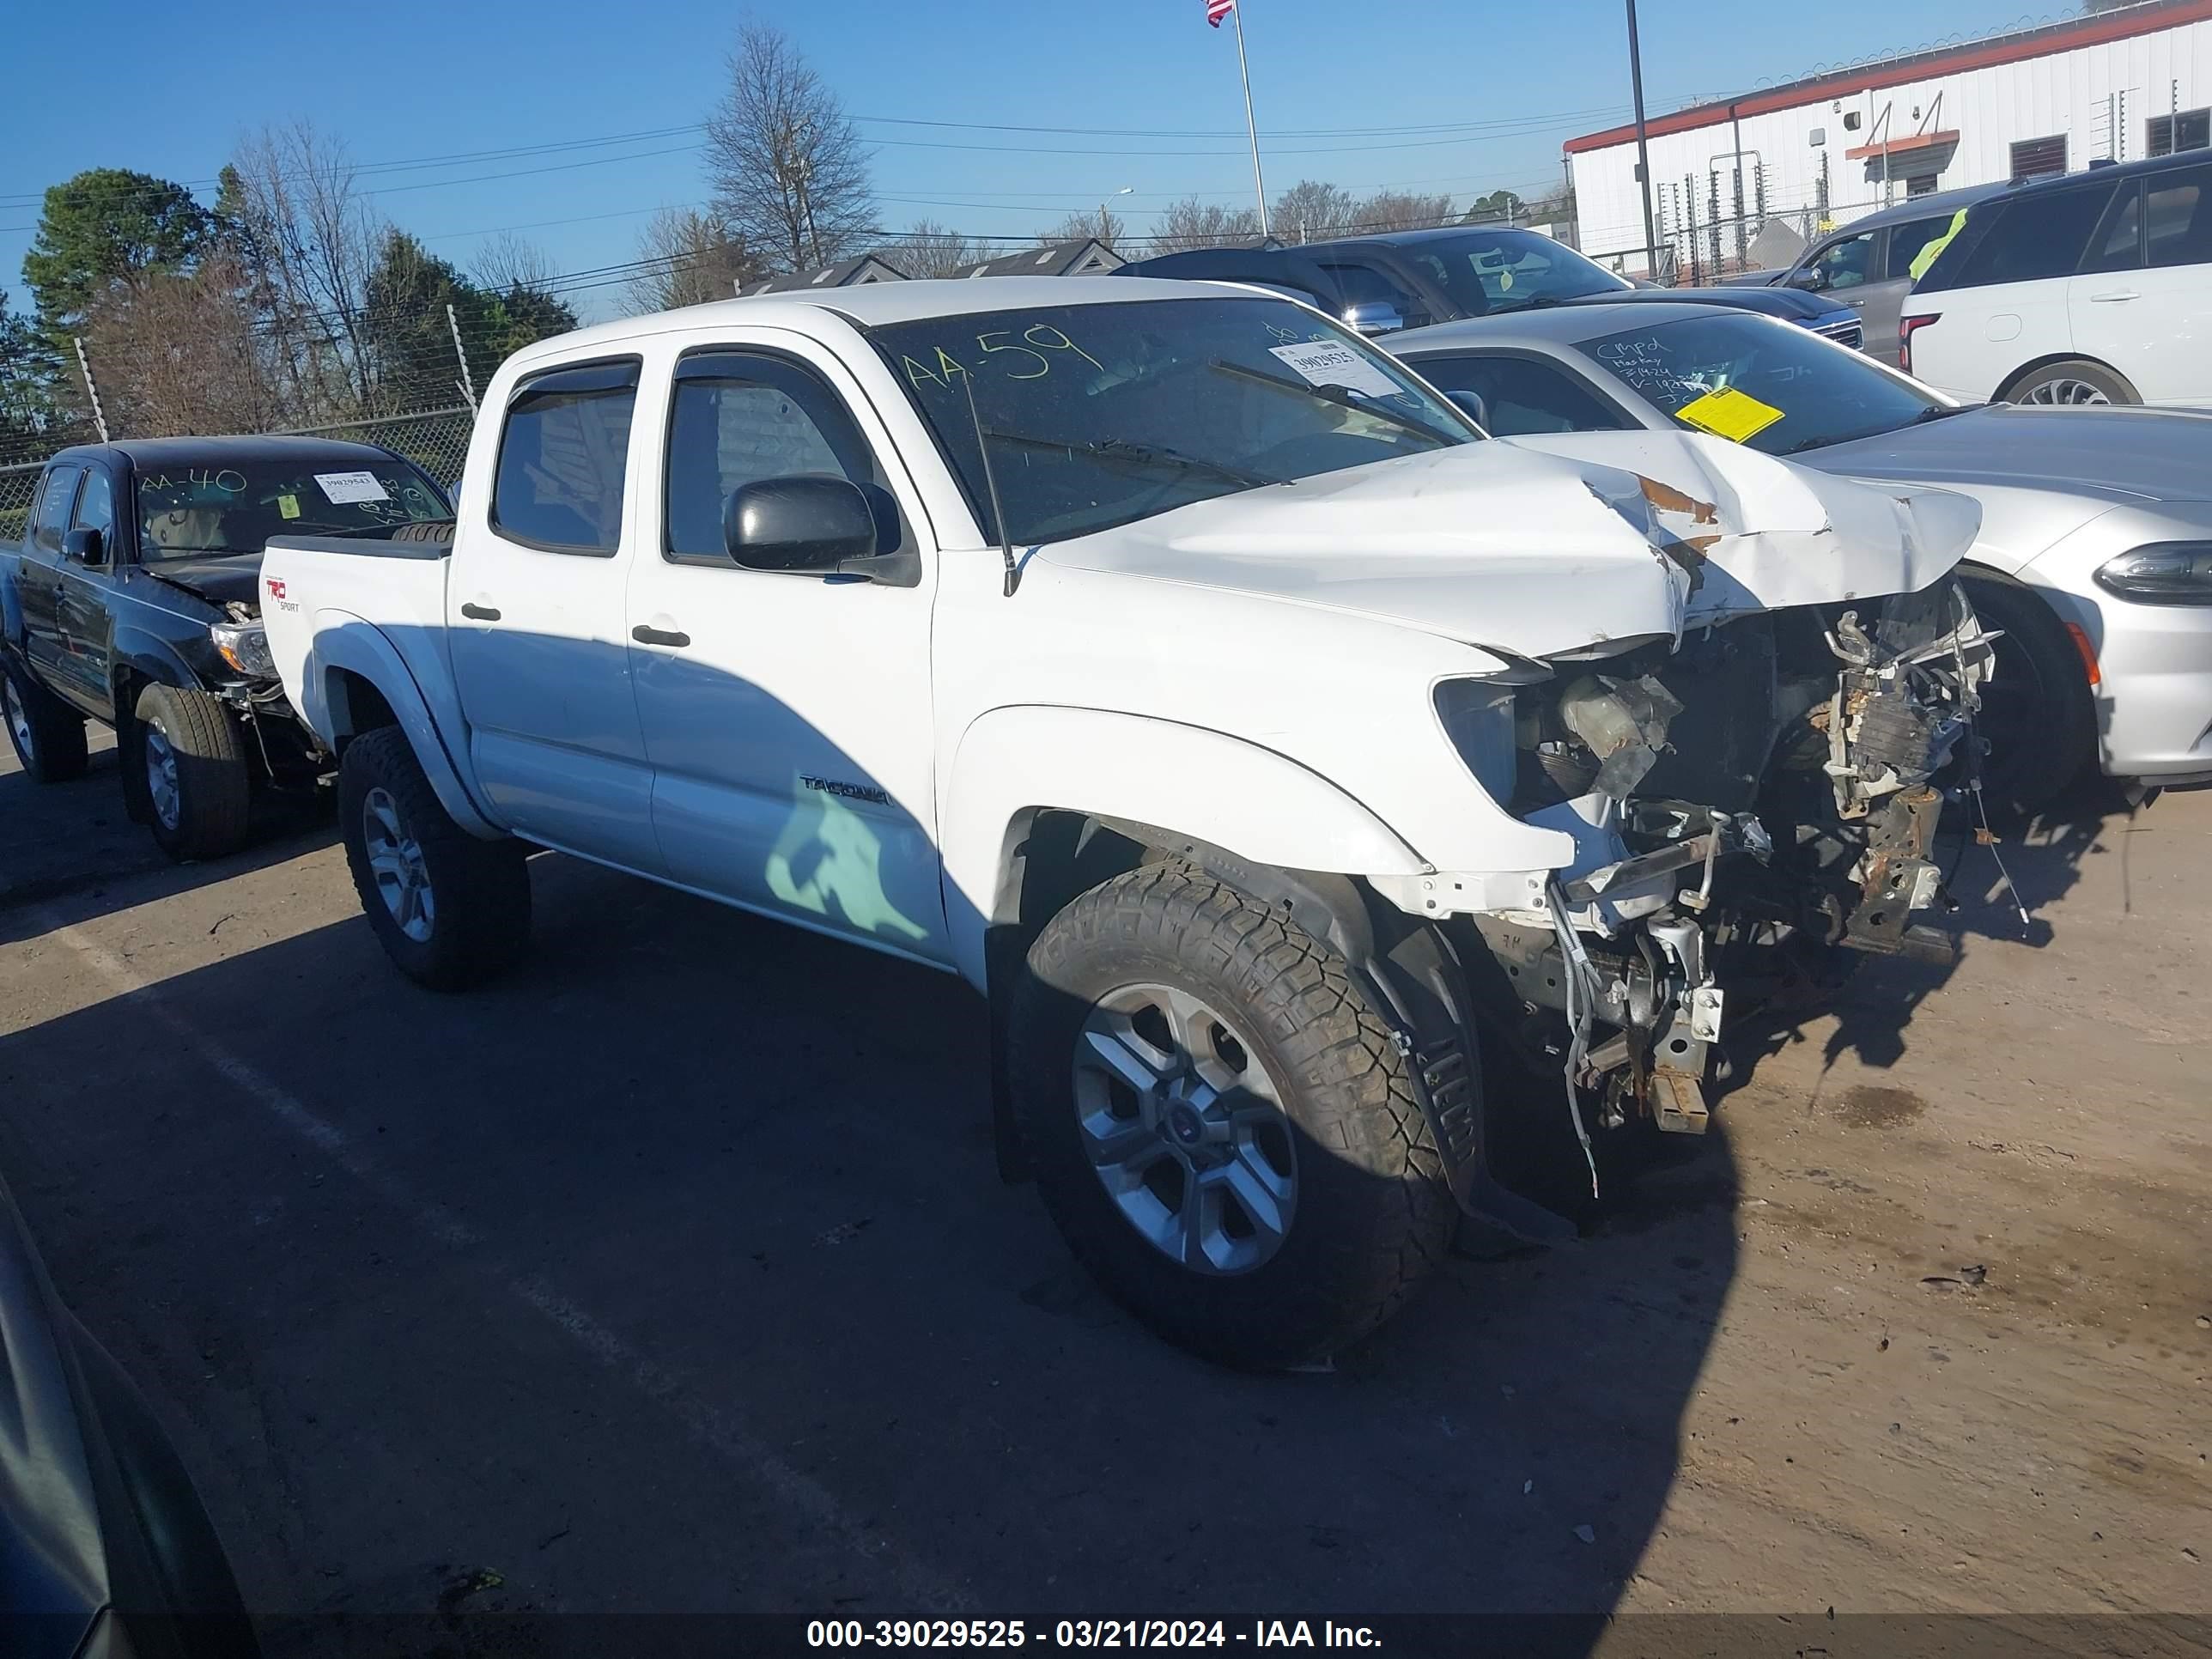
(1537, 546)
(2115, 455)
(218, 580)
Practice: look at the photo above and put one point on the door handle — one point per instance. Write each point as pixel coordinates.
(645, 635)
(479, 613)
(2114, 297)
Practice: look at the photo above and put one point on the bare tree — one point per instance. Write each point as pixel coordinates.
(507, 262)
(182, 355)
(307, 239)
(1311, 210)
(686, 259)
(1191, 223)
(789, 172)
(930, 249)
(1397, 210)
(1107, 228)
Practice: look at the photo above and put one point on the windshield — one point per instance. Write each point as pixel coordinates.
(201, 509)
(1488, 272)
(1773, 387)
(1098, 414)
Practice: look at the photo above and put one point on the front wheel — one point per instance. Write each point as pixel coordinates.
(1221, 1126)
(199, 793)
(2037, 716)
(47, 736)
(449, 908)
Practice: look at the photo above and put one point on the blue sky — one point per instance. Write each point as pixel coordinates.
(405, 80)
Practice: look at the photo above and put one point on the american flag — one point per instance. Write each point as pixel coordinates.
(1217, 10)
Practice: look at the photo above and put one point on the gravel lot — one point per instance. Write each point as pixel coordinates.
(672, 1274)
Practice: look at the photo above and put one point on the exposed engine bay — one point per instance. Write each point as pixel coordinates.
(1744, 806)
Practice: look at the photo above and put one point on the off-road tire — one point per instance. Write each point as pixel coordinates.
(480, 921)
(1372, 1214)
(2043, 728)
(54, 750)
(214, 786)
(2114, 387)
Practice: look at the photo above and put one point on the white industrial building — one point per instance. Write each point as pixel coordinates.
(2125, 82)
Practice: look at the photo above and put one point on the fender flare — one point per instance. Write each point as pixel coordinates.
(1257, 805)
(344, 642)
(149, 656)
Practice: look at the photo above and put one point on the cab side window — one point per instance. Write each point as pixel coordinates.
(739, 417)
(96, 507)
(1906, 240)
(54, 507)
(1848, 262)
(563, 455)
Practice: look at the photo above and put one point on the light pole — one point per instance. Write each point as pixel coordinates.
(1102, 236)
(1642, 153)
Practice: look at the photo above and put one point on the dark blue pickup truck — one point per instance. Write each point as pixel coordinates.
(134, 598)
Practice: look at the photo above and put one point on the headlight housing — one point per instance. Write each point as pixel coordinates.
(2161, 573)
(1477, 715)
(244, 647)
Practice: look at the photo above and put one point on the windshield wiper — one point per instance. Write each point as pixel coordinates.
(1942, 411)
(1135, 454)
(1342, 396)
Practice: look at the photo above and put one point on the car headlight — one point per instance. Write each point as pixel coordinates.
(2162, 573)
(244, 647)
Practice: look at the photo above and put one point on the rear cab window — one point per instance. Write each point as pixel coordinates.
(564, 458)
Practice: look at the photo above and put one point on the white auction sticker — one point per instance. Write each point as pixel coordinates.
(344, 487)
(1327, 362)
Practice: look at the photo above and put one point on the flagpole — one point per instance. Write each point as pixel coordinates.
(1259, 188)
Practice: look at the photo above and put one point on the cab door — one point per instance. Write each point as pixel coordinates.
(2143, 302)
(83, 611)
(534, 619)
(788, 715)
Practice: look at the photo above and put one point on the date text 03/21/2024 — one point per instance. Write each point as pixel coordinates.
(1085, 1633)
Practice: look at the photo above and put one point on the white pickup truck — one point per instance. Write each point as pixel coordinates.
(1202, 687)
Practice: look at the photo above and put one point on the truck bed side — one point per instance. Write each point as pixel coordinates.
(345, 615)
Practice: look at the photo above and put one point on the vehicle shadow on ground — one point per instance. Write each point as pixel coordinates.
(755, 1166)
(2033, 864)
(75, 841)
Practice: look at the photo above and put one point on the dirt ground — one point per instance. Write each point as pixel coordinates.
(671, 1274)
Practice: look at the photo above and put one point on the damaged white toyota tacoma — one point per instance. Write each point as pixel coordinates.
(1259, 738)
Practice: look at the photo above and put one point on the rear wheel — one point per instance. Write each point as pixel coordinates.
(1220, 1125)
(450, 909)
(46, 734)
(2075, 382)
(2037, 714)
(199, 793)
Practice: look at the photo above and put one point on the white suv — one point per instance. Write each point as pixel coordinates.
(2093, 289)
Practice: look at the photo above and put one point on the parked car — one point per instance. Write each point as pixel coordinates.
(1868, 265)
(133, 600)
(1197, 685)
(105, 1548)
(2095, 552)
(1412, 278)
(2092, 289)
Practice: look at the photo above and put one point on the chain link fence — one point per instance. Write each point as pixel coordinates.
(437, 440)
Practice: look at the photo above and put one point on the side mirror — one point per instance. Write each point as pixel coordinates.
(1811, 279)
(1374, 317)
(809, 522)
(85, 546)
(1471, 404)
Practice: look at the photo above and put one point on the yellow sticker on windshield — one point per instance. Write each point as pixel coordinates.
(1728, 413)
(288, 506)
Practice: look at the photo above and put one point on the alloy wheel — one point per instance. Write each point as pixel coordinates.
(1185, 1128)
(2065, 390)
(161, 786)
(395, 858)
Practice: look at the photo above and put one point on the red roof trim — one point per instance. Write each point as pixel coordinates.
(1912, 141)
(2089, 32)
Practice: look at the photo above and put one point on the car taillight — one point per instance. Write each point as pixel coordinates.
(1906, 328)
